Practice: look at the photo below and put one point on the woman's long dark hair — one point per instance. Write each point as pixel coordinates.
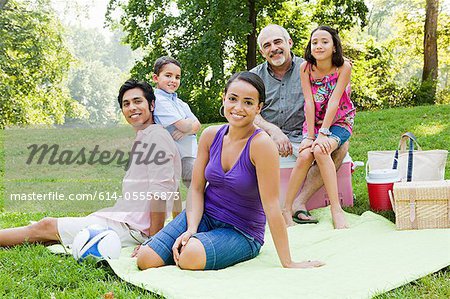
(253, 80)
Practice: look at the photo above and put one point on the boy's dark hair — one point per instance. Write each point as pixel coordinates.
(132, 83)
(252, 79)
(162, 61)
(338, 56)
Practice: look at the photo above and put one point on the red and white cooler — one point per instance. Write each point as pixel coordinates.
(379, 182)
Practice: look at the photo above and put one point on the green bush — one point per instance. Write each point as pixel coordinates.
(443, 96)
(426, 93)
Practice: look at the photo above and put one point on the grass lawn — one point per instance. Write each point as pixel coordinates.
(30, 271)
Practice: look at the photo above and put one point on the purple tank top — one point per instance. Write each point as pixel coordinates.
(233, 196)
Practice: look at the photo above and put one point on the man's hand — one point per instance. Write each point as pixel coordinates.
(281, 140)
(283, 143)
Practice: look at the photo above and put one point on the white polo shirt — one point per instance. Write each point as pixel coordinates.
(168, 110)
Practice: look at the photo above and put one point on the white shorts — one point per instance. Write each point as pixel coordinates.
(289, 161)
(68, 228)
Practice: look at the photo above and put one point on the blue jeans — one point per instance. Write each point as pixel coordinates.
(339, 134)
(224, 244)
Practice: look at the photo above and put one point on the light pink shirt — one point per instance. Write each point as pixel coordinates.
(141, 181)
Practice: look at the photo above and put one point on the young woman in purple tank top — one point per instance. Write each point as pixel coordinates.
(329, 112)
(233, 189)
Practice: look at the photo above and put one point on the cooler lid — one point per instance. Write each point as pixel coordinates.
(380, 176)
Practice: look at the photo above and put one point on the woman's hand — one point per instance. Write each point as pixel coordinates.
(179, 244)
(324, 143)
(304, 264)
(306, 143)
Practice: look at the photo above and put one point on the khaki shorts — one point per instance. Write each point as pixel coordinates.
(68, 228)
(187, 165)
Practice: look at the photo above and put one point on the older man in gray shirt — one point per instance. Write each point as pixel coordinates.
(282, 116)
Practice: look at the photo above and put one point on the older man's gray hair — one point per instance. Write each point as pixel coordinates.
(284, 33)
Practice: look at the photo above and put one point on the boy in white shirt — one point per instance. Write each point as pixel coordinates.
(175, 115)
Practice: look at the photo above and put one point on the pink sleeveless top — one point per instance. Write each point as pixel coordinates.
(321, 91)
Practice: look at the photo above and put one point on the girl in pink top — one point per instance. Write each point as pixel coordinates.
(329, 112)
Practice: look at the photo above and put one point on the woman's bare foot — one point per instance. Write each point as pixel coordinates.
(339, 220)
(287, 216)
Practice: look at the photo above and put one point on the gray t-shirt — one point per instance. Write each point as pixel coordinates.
(284, 99)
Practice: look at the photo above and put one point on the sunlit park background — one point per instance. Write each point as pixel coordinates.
(62, 62)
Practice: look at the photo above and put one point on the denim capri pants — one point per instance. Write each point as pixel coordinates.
(339, 134)
(224, 244)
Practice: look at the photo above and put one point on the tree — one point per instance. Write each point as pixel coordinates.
(430, 51)
(33, 65)
(251, 37)
(3, 3)
(211, 38)
(95, 86)
(380, 13)
(99, 68)
(343, 14)
(388, 59)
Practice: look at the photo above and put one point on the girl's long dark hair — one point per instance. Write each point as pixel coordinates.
(338, 56)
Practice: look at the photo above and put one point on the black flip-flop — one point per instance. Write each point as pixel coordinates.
(303, 221)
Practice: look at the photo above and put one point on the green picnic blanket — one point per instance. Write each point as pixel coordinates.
(371, 257)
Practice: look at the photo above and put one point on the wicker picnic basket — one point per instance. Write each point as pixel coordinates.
(422, 204)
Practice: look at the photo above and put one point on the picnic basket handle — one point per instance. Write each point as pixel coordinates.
(391, 198)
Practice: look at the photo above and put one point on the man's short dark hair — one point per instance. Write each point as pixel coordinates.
(144, 86)
(162, 61)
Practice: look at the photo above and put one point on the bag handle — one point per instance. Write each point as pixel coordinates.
(410, 161)
(402, 146)
(412, 139)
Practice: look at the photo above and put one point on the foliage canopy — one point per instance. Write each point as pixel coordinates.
(100, 66)
(33, 64)
(211, 38)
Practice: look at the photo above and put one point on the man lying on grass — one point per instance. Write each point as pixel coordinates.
(133, 220)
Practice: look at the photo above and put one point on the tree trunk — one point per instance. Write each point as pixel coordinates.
(251, 37)
(430, 66)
